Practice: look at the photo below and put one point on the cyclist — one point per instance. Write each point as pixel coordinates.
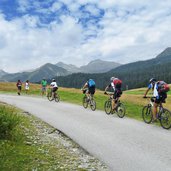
(27, 86)
(44, 85)
(115, 84)
(90, 85)
(160, 89)
(19, 86)
(54, 87)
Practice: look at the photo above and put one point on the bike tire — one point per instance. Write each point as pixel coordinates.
(93, 105)
(121, 110)
(108, 107)
(49, 96)
(57, 98)
(85, 103)
(147, 114)
(165, 119)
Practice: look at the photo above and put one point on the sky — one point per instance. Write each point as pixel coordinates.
(35, 32)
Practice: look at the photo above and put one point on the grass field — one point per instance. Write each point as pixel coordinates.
(132, 98)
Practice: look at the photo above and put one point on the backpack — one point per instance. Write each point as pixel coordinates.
(91, 83)
(162, 87)
(117, 82)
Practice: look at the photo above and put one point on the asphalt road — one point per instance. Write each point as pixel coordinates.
(123, 144)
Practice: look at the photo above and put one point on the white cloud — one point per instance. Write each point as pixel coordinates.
(128, 31)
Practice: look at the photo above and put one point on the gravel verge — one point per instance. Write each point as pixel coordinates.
(46, 136)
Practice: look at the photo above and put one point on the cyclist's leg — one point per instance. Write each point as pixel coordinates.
(155, 105)
(54, 92)
(114, 100)
(87, 94)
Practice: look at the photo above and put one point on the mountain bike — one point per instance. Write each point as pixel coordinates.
(89, 101)
(163, 115)
(56, 96)
(120, 109)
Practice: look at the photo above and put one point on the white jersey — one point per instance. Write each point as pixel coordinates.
(53, 84)
(27, 86)
(112, 85)
(155, 92)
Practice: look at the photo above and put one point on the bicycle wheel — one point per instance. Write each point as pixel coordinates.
(93, 105)
(57, 97)
(165, 119)
(147, 114)
(49, 96)
(108, 107)
(121, 110)
(85, 102)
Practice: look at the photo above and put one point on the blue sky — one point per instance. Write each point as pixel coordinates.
(35, 32)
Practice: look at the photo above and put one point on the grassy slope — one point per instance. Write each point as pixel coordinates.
(132, 98)
(32, 147)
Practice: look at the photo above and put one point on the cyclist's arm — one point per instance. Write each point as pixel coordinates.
(107, 87)
(146, 92)
(85, 86)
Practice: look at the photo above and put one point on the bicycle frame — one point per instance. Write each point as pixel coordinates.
(163, 115)
(160, 107)
(88, 99)
(119, 108)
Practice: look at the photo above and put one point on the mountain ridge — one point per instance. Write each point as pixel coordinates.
(49, 70)
(133, 75)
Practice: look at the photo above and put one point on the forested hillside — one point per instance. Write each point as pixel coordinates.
(134, 75)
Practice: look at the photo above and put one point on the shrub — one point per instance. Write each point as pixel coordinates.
(8, 121)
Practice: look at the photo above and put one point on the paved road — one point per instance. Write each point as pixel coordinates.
(123, 144)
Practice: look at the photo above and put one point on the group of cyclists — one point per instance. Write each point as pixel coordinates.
(160, 89)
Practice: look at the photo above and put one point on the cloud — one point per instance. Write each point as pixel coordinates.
(78, 31)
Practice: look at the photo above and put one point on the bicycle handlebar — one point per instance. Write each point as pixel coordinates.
(145, 97)
(108, 93)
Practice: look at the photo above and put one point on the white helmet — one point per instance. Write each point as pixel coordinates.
(112, 78)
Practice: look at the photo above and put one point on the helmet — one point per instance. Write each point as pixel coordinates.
(112, 78)
(53, 80)
(152, 80)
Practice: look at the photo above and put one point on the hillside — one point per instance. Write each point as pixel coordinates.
(60, 69)
(47, 71)
(99, 66)
(2, 72)
(96, 66)
(134, 75)
(70, 68)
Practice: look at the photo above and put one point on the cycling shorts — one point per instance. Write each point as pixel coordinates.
(91, 90)
(54, 89)
(19, 87)
(161, 98)
(117, 93)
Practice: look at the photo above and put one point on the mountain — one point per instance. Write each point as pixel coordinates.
(2, 72)
(98, 66)
(70, 68)
(48, 71)
(60, 69)
(166, 53)
(133, 75)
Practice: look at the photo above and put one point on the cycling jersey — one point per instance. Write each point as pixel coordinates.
(91, 88)
(117, 91)
(27, 86)
(44, 83)
(160, 97)
(53, 84)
